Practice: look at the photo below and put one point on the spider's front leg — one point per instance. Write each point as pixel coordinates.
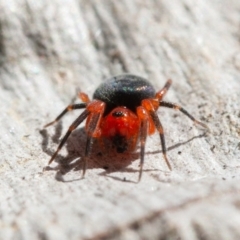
(96, 109)
(148, 122)
(144, 123)
(73, 126)
(93, 112)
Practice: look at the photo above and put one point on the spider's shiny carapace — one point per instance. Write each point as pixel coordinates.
(123, 112)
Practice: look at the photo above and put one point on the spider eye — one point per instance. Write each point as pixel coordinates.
(118, 114)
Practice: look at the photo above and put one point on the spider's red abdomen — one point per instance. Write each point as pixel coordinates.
(121, 127)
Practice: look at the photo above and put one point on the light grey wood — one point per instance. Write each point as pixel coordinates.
(51, 49)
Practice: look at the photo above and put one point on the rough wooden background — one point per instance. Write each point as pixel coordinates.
(51, 49)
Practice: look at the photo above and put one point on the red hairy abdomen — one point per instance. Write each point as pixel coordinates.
(120, 121)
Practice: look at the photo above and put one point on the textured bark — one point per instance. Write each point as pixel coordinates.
(51, 49)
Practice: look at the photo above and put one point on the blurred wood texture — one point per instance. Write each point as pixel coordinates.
(49, 50)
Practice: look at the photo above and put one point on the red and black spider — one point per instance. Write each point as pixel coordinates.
(123, 111)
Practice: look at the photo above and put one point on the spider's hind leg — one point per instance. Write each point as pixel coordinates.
(185, 112)
(66, 110)
(160, 94)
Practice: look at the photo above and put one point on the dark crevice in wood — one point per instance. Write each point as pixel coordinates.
(2, 45)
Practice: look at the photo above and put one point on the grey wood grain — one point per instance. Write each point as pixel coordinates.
(51, 49)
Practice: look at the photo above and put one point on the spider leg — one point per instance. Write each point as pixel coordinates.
(73, 126)
(143, 116)
(159, 128)
(160, 94)
(177, 107)
(147, 103)
(84, 97)
(67, 109)
(96, 109)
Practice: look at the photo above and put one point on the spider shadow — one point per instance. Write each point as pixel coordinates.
(180, 143)
(101, 157)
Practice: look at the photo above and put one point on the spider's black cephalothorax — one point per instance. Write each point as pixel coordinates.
(124, 90)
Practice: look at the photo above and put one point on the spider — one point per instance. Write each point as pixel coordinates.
(123, 112)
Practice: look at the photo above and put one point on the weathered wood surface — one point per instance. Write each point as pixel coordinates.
(50, 49)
